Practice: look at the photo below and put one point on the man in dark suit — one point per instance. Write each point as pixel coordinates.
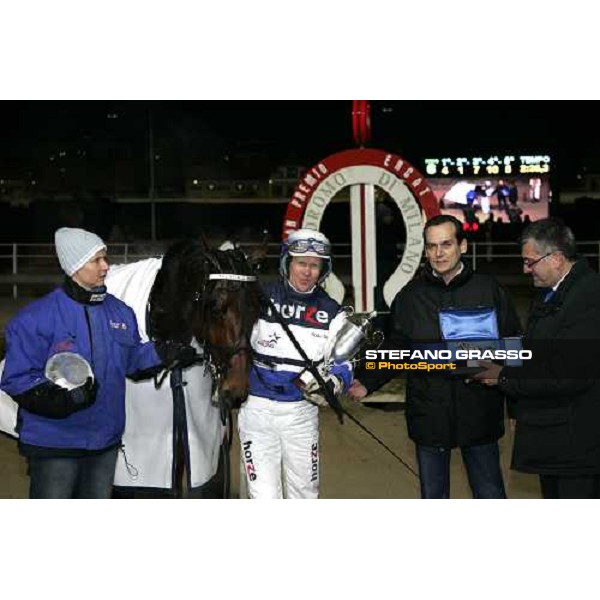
(557, 393)
(445, 412)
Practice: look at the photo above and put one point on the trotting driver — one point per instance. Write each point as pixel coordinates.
(278, 423)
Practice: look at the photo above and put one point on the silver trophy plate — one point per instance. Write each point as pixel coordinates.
(68, 370)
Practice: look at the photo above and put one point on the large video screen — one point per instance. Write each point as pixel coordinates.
(509, 189)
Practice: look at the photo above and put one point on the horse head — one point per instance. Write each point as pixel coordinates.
(231, 307)
(211, 295)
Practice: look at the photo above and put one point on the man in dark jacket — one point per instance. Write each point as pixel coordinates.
(557, 394)
(70, 430)
(444, 412)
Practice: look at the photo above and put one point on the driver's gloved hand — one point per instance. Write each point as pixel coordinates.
(316, 395)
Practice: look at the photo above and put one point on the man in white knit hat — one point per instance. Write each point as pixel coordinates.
(67, 356)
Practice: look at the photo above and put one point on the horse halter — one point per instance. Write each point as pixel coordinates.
(231, 277)
(235, 261)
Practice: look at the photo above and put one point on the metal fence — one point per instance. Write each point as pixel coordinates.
(33, 268)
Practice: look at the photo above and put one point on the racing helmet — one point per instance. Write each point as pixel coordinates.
(306, 242)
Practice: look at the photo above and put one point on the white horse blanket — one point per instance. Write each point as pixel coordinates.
(147, 460)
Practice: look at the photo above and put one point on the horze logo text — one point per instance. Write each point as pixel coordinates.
(310, 314)
(250, 470)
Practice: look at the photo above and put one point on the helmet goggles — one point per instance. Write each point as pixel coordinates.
(309, 245)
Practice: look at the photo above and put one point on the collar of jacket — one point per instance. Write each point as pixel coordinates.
(463, 276)
(293, 292)
(578, 270)
(542, 309)
(83, 296)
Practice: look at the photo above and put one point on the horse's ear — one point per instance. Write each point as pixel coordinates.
(259, 254)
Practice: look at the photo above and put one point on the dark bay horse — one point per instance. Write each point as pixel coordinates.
(201, 294)
(211, 295)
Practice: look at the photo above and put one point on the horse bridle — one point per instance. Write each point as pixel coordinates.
(219, 370)
(232, 277)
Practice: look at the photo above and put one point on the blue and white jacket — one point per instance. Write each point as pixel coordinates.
(106, 335)
(313, 318)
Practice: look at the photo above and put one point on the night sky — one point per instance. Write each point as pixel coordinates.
(303, 132)
(106, 146)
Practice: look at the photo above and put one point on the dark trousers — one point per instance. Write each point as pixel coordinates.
(89, 476)
(557, 486)
(482, 464)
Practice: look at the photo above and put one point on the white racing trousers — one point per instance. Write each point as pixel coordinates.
(280, 448)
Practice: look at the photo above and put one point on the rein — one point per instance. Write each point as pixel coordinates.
(329, 396)
(204, 294)
(310, 365)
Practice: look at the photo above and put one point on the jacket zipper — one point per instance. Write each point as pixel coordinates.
(89, 326)
(453, 382)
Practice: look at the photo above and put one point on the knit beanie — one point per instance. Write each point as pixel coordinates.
(75, 247)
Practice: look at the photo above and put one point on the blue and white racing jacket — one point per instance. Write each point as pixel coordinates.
(313, 318)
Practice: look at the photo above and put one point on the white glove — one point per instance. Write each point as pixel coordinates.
(316, 398)
(307, 383)
(316, 395)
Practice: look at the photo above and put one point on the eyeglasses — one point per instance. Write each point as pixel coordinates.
(527, 262)
(302, 246)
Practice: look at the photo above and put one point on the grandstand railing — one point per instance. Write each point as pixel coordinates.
(34, 266)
